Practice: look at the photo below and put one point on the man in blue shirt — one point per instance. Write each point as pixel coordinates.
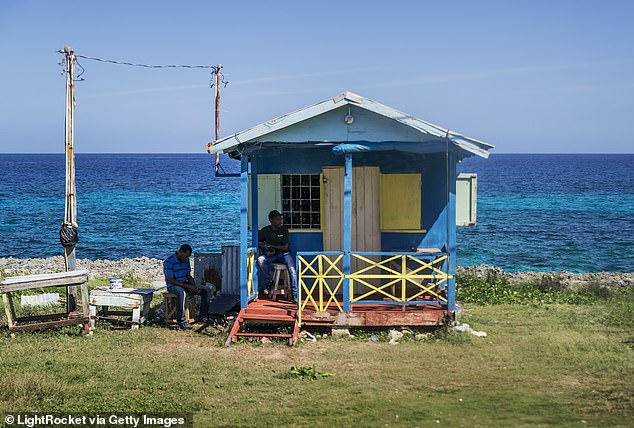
(179, 281)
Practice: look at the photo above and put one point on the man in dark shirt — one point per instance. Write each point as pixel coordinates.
(179, 281)
(273, 240)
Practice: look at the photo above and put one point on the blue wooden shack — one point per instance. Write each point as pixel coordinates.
(369, 195)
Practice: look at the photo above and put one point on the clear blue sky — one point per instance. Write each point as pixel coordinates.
(553, 76)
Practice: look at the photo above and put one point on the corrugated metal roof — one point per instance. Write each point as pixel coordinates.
(251, 135)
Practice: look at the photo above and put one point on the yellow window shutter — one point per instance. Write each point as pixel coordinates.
(400, 202)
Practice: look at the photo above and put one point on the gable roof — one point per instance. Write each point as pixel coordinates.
(251, 135)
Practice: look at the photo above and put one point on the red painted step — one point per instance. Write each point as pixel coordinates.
(281, 318)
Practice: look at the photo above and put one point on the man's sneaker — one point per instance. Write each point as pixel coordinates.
(185, 325)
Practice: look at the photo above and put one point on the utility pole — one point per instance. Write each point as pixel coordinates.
(217, 115)
(68, 232)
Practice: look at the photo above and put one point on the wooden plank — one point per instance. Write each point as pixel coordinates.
(145, 316)
(45, 276)
(373, 188)
(366, 232)
(41, 318)
(401, 201)
(333, 215)
(8, 309)
(93, 316)
(244, 228)
(84, 300)
(278, 335)
(136, 318)
(49, 324)
(65, 282)
(119, 300)
(114, 318)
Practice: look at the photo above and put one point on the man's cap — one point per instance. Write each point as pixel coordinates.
(274, 213)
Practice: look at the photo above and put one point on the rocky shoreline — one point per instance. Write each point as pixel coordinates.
(150, 270)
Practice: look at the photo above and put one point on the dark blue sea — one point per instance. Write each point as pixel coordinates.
(535, 212)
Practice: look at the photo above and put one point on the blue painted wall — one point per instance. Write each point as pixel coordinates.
(433, 168)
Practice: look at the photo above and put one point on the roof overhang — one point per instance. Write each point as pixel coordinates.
(237, 143)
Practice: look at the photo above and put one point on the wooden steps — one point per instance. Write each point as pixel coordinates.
(265, 321)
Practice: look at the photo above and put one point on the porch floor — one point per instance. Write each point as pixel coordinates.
(360, 315)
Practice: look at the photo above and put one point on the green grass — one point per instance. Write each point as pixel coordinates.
(542, 364)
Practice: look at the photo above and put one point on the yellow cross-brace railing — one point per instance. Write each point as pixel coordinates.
(250, 267)
(395, 269)
(408, 278)
(320, 269)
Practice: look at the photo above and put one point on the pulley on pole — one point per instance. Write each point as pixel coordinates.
(68, 233)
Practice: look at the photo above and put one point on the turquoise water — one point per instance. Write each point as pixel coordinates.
(535, 212)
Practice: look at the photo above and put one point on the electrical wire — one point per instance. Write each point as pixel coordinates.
(134, 64)
(215, 69)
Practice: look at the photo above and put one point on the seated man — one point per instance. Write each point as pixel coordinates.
(179, 281)
(273, 240)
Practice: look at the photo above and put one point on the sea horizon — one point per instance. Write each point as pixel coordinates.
(557, 212)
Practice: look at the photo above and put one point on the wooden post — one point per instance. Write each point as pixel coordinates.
(70, 208)
(347, 229)
(450, 263)
(254, 218)
(244, 228)
(8, 309)
(217, 115)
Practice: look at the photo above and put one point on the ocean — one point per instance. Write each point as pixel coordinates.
(536, 212)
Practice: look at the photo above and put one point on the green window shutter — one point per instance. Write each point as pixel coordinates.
(269, 197)
(466, 199)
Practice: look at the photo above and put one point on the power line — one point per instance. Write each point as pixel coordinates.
(134, 64)
(215, 69)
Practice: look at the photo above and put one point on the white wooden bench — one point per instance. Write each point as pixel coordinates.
(129, 301)
(28, 282)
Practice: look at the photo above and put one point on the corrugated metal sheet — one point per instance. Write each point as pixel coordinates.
(469, 145)
(231, 270)
(208, 268)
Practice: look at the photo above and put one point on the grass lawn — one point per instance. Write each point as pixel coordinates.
(540, 365)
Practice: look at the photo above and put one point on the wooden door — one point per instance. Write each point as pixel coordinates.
(366, 232)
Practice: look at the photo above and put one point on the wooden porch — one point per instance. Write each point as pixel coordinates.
(271, 316)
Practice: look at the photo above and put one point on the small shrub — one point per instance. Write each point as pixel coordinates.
(547, 291)
(308, 373)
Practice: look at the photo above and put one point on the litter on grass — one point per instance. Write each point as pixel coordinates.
(466, 328)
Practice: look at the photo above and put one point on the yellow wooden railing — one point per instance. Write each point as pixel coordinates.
(404, 279)
(250, 271)
(321, 273)
(399, 273)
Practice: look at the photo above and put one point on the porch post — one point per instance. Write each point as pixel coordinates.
(347, 229)
(244, 225)
(254, 216)
(451, 231)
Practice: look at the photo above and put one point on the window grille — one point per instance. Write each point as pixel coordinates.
(301, 196)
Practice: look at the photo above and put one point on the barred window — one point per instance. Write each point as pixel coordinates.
(301, 196)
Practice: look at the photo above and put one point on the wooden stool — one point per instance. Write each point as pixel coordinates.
(169, 307)
(281, 281)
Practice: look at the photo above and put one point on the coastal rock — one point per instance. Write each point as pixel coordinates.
(557, 280)
(142, 268)
(151, 270)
